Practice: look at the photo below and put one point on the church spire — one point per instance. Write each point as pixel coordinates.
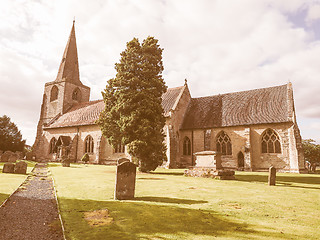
(69, 67)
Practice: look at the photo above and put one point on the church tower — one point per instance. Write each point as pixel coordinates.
(62, 93)
(67, 89)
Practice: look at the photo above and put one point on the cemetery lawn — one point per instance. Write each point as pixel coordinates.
(10, 182)
(168, 205)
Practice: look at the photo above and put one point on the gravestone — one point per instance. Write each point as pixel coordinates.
(122, 160)
(21, 167)
(13, 158)
(8, 168)
(19, 155)
(125, 181)
(5, 156)
(272, 176)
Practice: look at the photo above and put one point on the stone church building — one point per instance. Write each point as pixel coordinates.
(251, 129)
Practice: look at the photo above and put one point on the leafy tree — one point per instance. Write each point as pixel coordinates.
(133, 113)
(311, 150)
(10, 136)
(311, 153)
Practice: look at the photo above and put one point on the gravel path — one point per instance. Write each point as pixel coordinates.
(31, 212)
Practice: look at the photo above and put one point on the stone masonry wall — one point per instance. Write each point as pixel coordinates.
(174, 122)
(247, 139)
(102, 149)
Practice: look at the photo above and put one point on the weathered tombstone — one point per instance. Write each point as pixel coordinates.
(272, 176)
(29, 155)
(8, 168)
(125, 181)
(13, 158)
(19, 155)
(65, 162)
(122, 160)
(21, 167)
(5, 156)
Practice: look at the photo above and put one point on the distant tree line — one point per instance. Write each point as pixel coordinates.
(10, 136)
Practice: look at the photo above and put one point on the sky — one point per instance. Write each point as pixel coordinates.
(219, 46)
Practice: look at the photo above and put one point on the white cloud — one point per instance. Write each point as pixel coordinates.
(219, 46)
(313, 13)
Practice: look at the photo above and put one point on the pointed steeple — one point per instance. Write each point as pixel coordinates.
(69, 67)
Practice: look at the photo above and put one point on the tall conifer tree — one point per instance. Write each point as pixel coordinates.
(133, 113)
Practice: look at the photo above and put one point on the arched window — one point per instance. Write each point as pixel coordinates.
(120, 148)
(76, 95)
(53, 145)
(186, 146)
(54, 93)
(224, 145)
(88, 144)
(270, 142)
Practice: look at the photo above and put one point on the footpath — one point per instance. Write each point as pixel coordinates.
(31, 213)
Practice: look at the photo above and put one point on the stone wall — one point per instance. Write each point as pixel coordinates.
(173, 123)
(262, 161)
(64, 100)
(247, 140)
(102, 149)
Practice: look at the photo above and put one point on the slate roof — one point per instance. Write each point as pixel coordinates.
(265, 105)
(88, 112)
(259, 106)
(63, 140)
(80, 115)
(170, 98)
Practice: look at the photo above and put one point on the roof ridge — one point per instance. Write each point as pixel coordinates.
(173, 88)
(244, 91)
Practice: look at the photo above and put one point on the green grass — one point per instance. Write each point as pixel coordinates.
(10, 182)
(171, 206)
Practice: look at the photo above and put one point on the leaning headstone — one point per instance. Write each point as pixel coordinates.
(122, 160)
(272, 176)
(8, 168)
(125, 181)
(21, 167)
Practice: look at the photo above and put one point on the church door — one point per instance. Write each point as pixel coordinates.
(240, 160)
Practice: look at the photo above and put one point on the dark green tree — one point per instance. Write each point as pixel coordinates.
(10, 136)
(133, 113)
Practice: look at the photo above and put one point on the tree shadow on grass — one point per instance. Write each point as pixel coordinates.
(143, 220)
(284, 184)
(288, 181)
(169, 200)
(150, 178)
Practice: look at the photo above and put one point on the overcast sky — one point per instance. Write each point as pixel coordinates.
(220, 46)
